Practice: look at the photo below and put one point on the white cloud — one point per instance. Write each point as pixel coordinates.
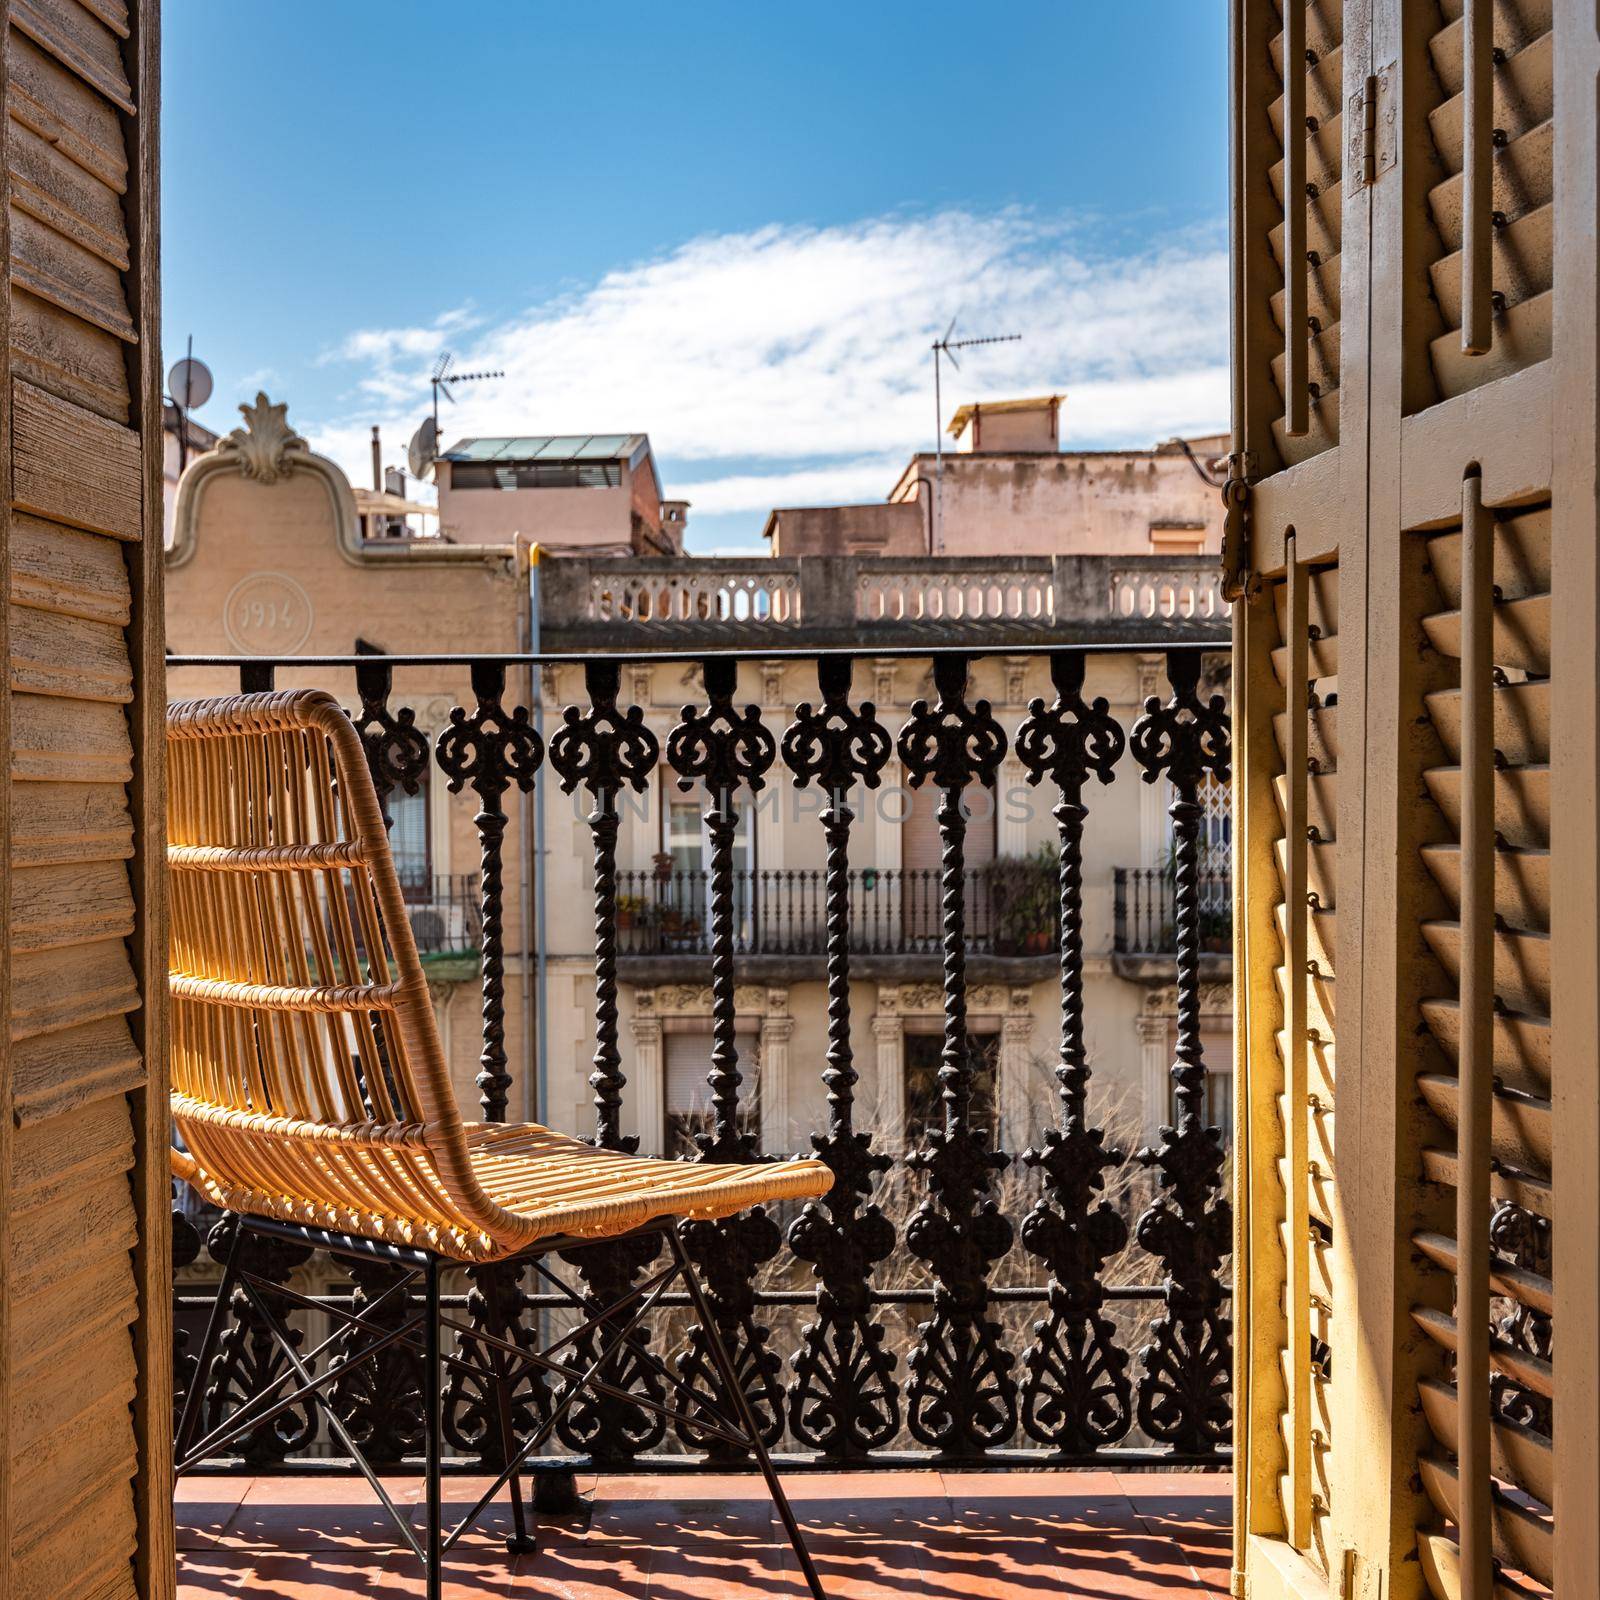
(791, 364)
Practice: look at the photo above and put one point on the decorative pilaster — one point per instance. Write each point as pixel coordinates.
(649, 1075)
(774, 1089)
(1014, 1071)
(889, 1030)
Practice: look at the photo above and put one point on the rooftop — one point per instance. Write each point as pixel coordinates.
(552, 447)
(965, 414)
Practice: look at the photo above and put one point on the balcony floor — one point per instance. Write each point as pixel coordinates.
(926, 1535)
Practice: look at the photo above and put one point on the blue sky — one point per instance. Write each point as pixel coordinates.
(736, 227)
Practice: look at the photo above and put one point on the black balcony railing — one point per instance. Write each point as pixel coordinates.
(1059, 1300)
(1012, 909)
(1145, 920)
(445, 913)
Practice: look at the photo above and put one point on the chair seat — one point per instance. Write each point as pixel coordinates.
(546, 1184)
(569, 1187)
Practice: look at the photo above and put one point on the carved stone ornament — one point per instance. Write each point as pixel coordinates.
(266, 446)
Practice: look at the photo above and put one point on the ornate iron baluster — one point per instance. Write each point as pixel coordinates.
(1187, 1366)
(185, 1249)
(381, 1400)
(491, 749)
(724, 750)
(248, 1361)
(1077, 1396)
(844, 1400)
(605, 750)
(1523, 1237)
(962, 1396)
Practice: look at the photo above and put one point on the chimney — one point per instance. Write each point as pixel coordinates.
(674, 520)
(1010, 427)
(377, 460)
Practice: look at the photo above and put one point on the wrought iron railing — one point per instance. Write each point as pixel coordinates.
(1063, 1302)
(1011, 910)
(445, 913)
(1144, 909)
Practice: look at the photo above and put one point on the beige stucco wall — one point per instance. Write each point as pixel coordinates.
(264, 574)
(1069, 504)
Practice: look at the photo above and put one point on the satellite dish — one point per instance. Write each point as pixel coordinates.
(423, 450)
(189, 383)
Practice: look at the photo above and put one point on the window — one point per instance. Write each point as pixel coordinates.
(922, 849)
(688, 1095)
(535, 475)
(1217, 1047)
(685, 898)
(410, 842)
(923, 1107)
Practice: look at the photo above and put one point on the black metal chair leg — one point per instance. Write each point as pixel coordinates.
(739, 1401)
(433, 1431)
(520, 1541)
(189, 1422)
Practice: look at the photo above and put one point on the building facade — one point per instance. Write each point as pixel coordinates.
(269, 559)
(1007, 487)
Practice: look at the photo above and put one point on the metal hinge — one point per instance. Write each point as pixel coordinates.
(1242, 468)
(1372, 143)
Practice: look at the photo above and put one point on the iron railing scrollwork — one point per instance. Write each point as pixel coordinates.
(811, 1303)
(844, 1401)
(1184, 1397)
(1076, 1395)
(962, 1397)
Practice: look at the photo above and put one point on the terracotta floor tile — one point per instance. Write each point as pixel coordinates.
(1111, 1566)
(885, 1569)
(285, 1575)
(563, 1573)
(203, 1507)
(1078, 1483)
(928, 1485)
(894, 1536)
(1175, 1513)
(1211, 1555)
(1159, 1484)
(311, 1525)
(689, 1518)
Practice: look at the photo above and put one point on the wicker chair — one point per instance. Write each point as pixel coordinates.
(313, 1101)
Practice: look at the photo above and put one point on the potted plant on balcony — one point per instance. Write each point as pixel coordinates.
(1024, 900)
(632, 911)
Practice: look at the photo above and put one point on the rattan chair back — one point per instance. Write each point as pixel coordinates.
(307, 1075)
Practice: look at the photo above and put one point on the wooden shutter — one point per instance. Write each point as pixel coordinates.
(1415, 663)
(85, 1359)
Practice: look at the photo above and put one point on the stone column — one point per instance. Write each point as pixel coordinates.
(1014, 1073)
(777, 1114)
(1154, 798)
(1155, 1058)
(888, 1028)
(1011, 818)
(648, 1077)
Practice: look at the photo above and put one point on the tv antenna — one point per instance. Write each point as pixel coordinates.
(188, 385)
(445, 378)
(946, 346)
